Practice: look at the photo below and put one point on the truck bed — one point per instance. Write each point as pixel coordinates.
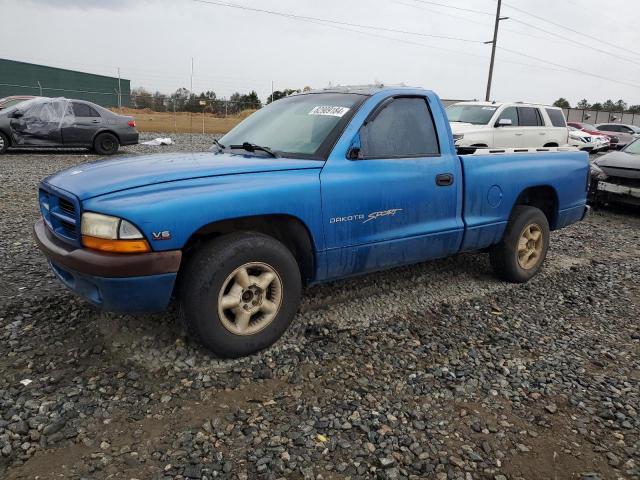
(494, 179)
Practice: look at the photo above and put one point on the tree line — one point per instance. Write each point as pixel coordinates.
(607, 106)
(183, 100)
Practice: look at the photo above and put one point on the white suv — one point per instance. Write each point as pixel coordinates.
(506, 125)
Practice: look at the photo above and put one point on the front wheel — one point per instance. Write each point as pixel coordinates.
(521, 252)
(4, 143)
(239, 293)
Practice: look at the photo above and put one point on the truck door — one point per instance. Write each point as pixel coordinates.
(399, 201)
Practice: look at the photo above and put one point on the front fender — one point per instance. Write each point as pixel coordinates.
(183, 207)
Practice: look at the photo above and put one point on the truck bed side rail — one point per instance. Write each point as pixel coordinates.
(495, 151)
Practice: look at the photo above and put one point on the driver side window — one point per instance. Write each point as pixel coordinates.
(403, 128)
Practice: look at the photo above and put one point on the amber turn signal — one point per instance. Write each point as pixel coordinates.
(115, 246)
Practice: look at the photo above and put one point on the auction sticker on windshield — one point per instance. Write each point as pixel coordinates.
(327, 110)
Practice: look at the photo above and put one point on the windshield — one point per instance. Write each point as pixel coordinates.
(475, 114)
(297, 125)
(22, 105)
(633, 148)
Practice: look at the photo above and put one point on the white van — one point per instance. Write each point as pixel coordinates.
(506, 125)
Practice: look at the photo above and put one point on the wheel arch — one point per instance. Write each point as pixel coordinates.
(106, 130)
(543, 197)
(288, 229)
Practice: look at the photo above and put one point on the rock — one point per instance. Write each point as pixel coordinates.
(387, 462)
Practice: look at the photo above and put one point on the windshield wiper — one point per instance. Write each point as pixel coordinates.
(218, 144)
(252, 147)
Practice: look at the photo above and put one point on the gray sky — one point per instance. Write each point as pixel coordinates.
(152, 41)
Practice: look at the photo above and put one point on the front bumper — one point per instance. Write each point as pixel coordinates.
(114, 282)
(613, 192)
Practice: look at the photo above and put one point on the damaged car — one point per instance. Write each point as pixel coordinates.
(615, 177)
(60, 122)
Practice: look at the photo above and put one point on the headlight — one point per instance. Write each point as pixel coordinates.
(457, 138)
(111, 234)
(596, 172)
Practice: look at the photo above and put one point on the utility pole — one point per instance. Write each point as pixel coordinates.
(119, 92)
(190, 112)
(493, 49)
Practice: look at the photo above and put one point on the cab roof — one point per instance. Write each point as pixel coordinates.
(500, 104)
(360, 89)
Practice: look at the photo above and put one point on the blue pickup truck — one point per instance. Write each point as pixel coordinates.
(314, 187)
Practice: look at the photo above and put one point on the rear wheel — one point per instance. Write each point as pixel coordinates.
(4, 142)
(239, 293)
(521, 252)
(106, 144)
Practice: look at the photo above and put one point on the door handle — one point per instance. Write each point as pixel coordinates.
(519, 134)
(542, 133)
(95, 121)
(444, 179)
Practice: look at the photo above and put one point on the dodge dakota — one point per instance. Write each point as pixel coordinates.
(314, 187)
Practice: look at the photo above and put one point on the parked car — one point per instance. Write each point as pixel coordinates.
(615, 177)
(625, 133)
(592, 130)
(59, 122)
(580, 140)
(314, 187)
(7, 102)
(588, 142)
(503, 125)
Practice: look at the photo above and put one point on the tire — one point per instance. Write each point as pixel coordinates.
(4, 143)
(550, 145)
(507, 261)
(106, 144)
(212, 278)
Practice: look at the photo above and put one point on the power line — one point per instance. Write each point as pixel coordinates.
(569, 68)
(562, 69)
(590, 47)
(324, 23)
(465, 19)
(336, 22)
(568, 28)
(454, 8)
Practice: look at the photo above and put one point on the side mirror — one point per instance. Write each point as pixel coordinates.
(504, 122)
(17, 114)
(354, 153)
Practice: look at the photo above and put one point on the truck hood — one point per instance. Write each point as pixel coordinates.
(461, 127)
(108, 176)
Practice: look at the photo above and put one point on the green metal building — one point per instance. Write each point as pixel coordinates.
(20, 78)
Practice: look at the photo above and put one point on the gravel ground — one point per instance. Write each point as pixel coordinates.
(432, 371)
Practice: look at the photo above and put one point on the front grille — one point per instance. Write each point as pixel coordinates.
(627, 182)
(67, 207)
(61, 213)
